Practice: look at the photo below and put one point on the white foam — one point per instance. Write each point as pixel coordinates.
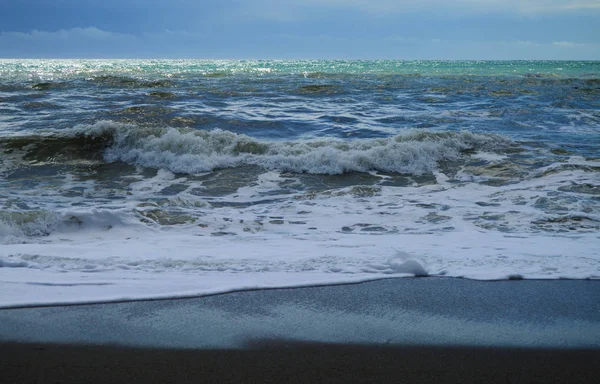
(193, 151)
(433, 230)
(489, 157)
(83, 250)
(46, 223)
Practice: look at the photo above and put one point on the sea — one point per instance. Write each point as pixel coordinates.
(140, 179)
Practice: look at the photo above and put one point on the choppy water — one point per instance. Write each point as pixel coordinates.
(477, 169)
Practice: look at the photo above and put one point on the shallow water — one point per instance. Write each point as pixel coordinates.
(135, 174)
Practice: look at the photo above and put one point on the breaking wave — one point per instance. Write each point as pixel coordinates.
(185, 150)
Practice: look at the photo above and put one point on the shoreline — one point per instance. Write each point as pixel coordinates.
(227, 292)
(275, 288)
(389, 310)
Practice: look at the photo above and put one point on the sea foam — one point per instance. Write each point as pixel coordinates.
(195, 151)
(314, 172)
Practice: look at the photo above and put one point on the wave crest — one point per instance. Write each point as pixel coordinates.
(186, 150)
(195, 151)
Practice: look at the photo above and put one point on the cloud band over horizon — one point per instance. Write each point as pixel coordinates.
(400, 29)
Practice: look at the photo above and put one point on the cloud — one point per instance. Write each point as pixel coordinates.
(65, 42)
(71, 34)
(477, 5)
(90, 32)
(570, 44)
(406, 47)
(581, 5)
(302, 9)
(93, 42)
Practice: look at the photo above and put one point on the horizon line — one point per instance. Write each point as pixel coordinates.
(280, 59)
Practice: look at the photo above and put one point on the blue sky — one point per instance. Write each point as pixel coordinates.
(345, 29)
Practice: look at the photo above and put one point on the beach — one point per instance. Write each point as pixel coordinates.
(299, 221)
(411, 329)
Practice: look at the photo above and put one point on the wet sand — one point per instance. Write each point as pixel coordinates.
(411, 330)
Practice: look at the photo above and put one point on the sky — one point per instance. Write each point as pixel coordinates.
(301, 29)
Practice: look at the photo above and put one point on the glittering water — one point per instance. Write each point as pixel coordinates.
(365, 152)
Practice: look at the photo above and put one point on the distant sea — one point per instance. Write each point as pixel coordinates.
(124, 179)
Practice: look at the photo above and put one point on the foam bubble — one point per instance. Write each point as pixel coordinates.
(408, 265)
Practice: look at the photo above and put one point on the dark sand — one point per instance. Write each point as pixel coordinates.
(296, 363)
(397, 330)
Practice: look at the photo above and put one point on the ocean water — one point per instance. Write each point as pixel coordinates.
(124, 179)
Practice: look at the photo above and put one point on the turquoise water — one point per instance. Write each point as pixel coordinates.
(554, 102)
(325, 124)
(54, 69)
(124, 179)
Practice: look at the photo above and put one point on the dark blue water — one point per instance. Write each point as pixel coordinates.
(324, 124)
